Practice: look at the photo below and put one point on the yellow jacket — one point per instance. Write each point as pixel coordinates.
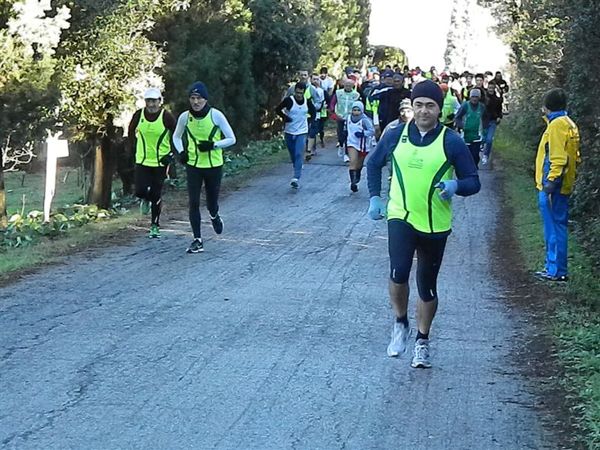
(558, 153)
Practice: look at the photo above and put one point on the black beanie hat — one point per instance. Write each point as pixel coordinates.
(430, 90)
(555, 99)
(199, 88)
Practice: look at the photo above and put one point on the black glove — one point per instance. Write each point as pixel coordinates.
(287, 119)
(205, 146)
(166, 160)
(184, 157)
(451, 116)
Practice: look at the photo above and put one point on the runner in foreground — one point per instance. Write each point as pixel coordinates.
(426, 156)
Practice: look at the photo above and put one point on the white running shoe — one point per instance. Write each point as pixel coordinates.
(294, 183)
(421, 355)
(346, 158)
(400, 335)
(484, 160)
(340, 151)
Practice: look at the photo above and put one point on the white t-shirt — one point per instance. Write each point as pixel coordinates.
(298, 114)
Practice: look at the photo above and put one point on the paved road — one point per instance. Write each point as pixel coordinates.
(274, 338)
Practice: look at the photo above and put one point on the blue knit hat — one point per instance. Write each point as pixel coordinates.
(199, 88)
(430, 90)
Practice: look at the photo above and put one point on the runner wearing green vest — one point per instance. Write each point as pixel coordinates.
(430, 164)
(344, 99)
(450, 108)
(201, 135)
(150, 132)
(472, 120)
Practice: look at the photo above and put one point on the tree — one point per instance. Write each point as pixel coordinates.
(343, 32)
(459, 36)
(31, 33)
(283, 36)
(222, 59)
(105, 69)
(384, 55)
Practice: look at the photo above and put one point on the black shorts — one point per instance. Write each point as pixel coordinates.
(403, 240)
(149, 182)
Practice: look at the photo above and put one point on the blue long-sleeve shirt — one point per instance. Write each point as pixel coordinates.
(455, 148)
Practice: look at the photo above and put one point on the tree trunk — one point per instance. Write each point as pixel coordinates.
(103, 169)
(3, 216)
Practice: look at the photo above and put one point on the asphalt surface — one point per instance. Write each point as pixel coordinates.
(274, 338)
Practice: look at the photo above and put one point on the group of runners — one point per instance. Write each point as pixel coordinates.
(197, 140)
(433, 129)
(364, 105)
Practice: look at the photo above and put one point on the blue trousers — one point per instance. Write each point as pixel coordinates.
(296, 143)
(554, 209)
(489, 138)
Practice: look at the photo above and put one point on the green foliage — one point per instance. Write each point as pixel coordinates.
(26, 230)
(253, 154)
(384, 55)
(343, 33)
(284, 36)
(211, 44)
(103, 65)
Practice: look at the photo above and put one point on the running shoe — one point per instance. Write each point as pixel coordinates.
(559, 278)
(217, 224)
(484, 160)
(144, 207)
(353, 187)
(307, 156)
(421, 355)
(400, 335)
(341, 153)
(154, 231)
(541, 274)
(346, 159)
(294, 183)
(196, 246)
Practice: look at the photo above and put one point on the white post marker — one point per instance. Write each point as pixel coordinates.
(56, 148)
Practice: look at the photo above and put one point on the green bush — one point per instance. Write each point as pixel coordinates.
(27, 229)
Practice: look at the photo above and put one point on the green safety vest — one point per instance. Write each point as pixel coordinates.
(343, 106)
(198, 130)
(152, 141)
(448, 108)
(472, 127)
(413, 196)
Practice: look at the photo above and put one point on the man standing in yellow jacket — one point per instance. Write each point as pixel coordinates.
(555, 172)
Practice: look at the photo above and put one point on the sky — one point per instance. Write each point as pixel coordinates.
(420, 28)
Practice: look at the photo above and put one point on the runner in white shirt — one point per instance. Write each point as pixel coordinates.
(295, 111)
(359, 132)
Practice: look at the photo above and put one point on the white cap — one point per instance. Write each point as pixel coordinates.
(152, 93)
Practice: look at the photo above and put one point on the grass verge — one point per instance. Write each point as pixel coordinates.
(575, 323)
(255, 159)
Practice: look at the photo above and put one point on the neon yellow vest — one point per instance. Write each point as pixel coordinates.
(448, 108)
(203, 129)
(152, 141)
(413, 197)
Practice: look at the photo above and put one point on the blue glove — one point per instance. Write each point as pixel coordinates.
(550, 186)
(376, 208)
(448, 189)
(359, 134)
